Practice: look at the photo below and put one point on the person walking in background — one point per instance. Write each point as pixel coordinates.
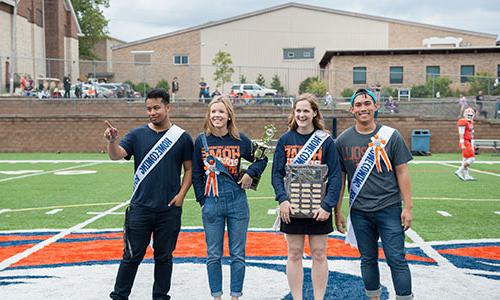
(375, 159)
(462, 101)
(220, 191)
(480, 104)
(204, 93)
(306, 136)
(67, 86)
(175, 88)
(161, 150)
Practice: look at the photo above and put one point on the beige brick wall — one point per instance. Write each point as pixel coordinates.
(411, 36)
(162, 66)
(340, 75)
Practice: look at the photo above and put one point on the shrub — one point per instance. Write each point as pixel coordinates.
(276, 84)
(163, 84)
(347, 93)
(260, 80)
(143, 88)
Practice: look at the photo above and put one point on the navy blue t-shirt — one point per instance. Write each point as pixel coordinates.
(289, 144)
(161, 185)
(229, 151)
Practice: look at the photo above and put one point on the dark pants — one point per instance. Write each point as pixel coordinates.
(386, 224)
(140, 223)
(66, 93)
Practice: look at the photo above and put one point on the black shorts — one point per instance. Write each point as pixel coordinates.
(307, 226)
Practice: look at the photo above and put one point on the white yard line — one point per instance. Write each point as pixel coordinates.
(417, 162)
(457, 199)
(96, 213)
(47, 172)
(14, 259)
(471, 169)
(443, 213)
(271, 211)
(58, 206)
(497, 212)
(42, 161)
(54, 211)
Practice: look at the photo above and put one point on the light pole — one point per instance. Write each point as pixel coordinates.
(13, 49)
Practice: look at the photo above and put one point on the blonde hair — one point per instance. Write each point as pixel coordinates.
(318, 121)
(208, 128)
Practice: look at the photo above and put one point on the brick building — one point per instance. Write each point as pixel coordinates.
(46, 38)
(287, 40)
(102, 68)
(404, 68)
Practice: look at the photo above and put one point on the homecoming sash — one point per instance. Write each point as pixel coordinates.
(156, 153)
(310, 148)
(371, 158)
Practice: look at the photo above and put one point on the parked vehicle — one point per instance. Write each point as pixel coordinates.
(253, 90)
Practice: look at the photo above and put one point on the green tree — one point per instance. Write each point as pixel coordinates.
(163, 84)
(313, 85)
(260, 80)
(223, 70)
(347, 93)
(143, 88)
(482, 81)
(92, 23)
(243, 79)
(276, 84)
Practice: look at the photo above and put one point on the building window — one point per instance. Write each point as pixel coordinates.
(298, 53)
(359, 75)
(181, 59)
(396, 75)
(498, 72)
(39, 17)
(466, 72)
(142, 58)
(432, 71)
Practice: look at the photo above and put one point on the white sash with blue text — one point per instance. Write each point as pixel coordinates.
(310, 148)
(166, 142)
(360, 176)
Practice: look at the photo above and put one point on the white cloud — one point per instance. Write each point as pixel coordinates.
(132, 20)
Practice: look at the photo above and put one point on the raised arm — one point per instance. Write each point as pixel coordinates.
(115, 151)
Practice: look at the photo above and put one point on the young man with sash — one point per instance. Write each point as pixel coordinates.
(375, 158)
(160, 149)
(306, 143)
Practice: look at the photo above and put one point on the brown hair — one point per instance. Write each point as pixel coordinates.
(318, 121)
(208, 128)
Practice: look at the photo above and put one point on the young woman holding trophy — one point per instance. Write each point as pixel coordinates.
(220, 189)
(306, 191)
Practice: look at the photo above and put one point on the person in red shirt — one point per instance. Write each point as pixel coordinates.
(466, 134)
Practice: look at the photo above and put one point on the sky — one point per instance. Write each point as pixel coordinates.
(132, 20)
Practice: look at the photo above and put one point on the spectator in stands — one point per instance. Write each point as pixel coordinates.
(204, 91)
(175, 88)
(215, 93)
(78, 88)
(328, 99)
(462, 101)
(67, 86)
(479, 105)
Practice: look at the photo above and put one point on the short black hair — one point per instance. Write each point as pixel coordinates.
(159, 93)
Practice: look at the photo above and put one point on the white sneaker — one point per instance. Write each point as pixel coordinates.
(469, 178)
(460, 174)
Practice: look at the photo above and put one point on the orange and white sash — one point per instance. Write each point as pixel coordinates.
(371, 158)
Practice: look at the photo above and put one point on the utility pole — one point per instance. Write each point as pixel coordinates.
(13, 49)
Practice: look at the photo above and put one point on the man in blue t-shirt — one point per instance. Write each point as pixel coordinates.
(377, 210)
(156, 205)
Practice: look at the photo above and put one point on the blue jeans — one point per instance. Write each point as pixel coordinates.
(386, 224)
(231, 208)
